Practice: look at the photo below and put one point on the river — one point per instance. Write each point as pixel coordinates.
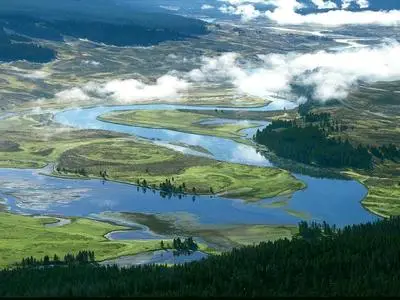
(28, 191)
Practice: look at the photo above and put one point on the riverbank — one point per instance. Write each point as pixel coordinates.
(195, 123)
(217, 237)
(148, 166)
(383, 192)
(22, 236)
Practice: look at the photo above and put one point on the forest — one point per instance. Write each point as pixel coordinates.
(309, 140)
(139, 30)
(358, 260)
(14, 47)
(311, 145)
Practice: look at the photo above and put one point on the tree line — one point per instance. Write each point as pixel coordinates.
(169, 188)
(308, 140)
(312, 145)
(390, 152)
(80, 171)
(82, 257)
(14, 47)
(358, 260)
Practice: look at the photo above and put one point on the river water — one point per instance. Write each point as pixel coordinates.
(28, 191)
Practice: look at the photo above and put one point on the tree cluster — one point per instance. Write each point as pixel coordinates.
(186, 245)
(390, 152)
(169, 188)
(80, 171)
(104, 174)
(359, 260)
(312, 145)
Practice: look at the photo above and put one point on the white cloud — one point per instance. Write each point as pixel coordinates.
(336, 17)
(166, 87)
(247, 11)
(206, 6)
(241, 2)
(127, 91)
(72, 95)
(323, 4)
(285, 12)
(219, 68)
(332, 75)
(361, 3)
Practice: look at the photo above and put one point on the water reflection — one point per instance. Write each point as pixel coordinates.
(335, 201)
(156, 257)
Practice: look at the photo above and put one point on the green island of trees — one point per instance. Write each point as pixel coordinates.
(185, 246)
(358, 260)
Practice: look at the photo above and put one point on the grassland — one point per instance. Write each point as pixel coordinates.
(245, 115)
(23, 235)
(33, 141)
(132, 161)
(176, 120)
(383, 186)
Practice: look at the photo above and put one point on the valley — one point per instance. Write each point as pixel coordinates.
(127, 126)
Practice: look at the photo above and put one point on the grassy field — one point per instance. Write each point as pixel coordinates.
(176, 120)
(245, 115)
(130, 161)
(32, 141)
(383, 196)
(21, 236)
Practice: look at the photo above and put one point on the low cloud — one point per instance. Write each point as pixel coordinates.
(206, 6)
(72, 95)
(326, 75)
(166, 87)
(323, 4)
(330, 75)
(127, 91)
(335, 17)
(247, 11)
(360, 3)
(285, 12)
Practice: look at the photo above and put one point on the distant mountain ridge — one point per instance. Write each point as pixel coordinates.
(102, 21)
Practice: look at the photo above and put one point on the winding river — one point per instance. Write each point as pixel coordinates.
(335, 201)
(31, 192)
